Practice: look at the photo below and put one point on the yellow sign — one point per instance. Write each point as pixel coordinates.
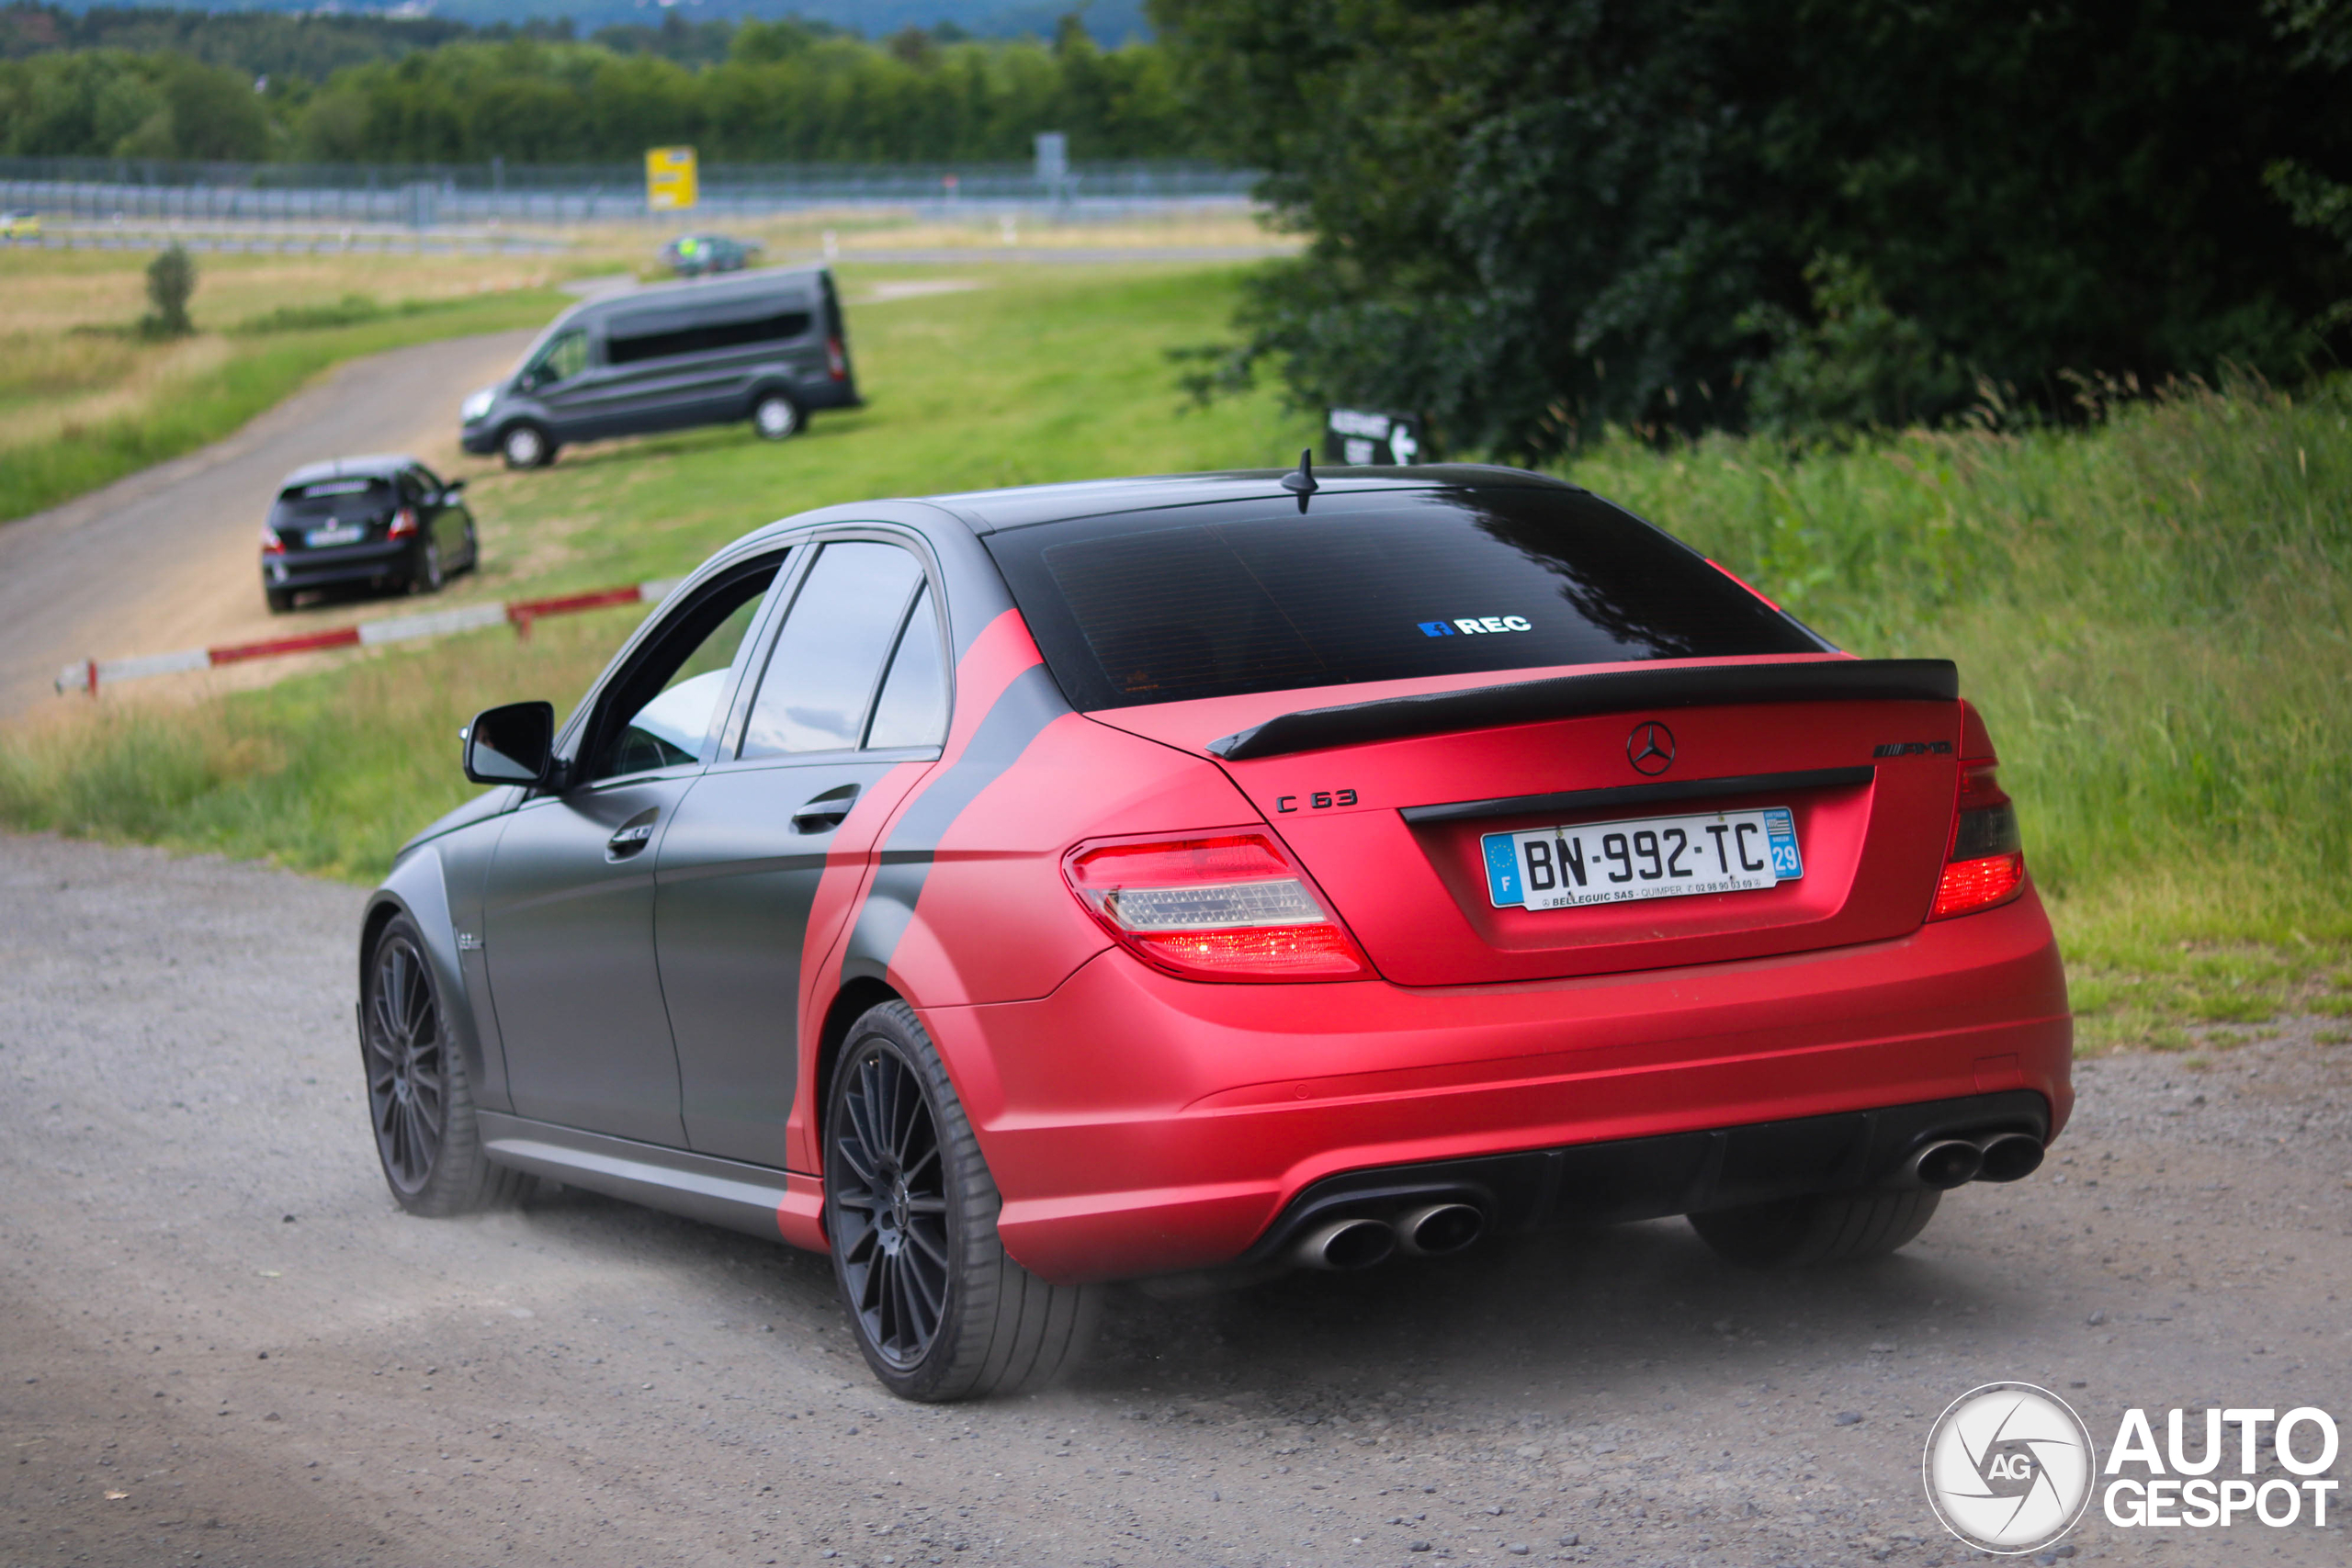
(670, 185)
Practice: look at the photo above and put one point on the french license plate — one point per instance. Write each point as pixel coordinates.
(1649, 857)
(337, 534)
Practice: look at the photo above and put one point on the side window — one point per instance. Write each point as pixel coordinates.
(912, 709)
(672, 694)
(561, 360)
(828, 659)
(629, 344)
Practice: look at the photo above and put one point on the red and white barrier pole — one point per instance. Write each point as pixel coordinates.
(89, 673)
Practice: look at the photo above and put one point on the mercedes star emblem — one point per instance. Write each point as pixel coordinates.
(1650, 748)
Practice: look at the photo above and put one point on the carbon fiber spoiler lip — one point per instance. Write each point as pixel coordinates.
(1576, 697)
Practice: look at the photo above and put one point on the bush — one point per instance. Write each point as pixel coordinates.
(171, 280)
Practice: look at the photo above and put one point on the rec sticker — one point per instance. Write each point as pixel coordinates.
(2009, 1468)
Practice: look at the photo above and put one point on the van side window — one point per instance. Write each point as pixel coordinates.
(624, 345)
(563, 359)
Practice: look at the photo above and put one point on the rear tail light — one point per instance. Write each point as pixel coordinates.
(403, 523)
(1984, 862)
(836, 360)
(1222, 906)
(271, 545)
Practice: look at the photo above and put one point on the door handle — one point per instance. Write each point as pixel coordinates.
(825, 813)
(633, 836)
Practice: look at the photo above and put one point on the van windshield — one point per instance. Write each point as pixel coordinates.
(1238, 597)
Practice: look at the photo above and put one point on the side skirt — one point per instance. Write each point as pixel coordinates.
(717, 1192)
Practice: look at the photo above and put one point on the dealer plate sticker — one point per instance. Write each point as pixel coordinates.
(1649, 857)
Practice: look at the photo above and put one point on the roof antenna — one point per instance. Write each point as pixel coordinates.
(1302, 483)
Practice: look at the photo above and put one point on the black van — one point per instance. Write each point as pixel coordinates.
(768, 346)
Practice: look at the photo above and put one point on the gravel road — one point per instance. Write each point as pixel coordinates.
(166, 559)
(220, 1343)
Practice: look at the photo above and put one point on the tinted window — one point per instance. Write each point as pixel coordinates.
(912, 709)
(352, 499)
(820, 679)
(1202, 602)
(701, 338)
(670, 694)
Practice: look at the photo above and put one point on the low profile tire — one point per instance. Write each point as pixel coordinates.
(1829, 1227)
(525, 445)
(280, 600)
(939, 1310)
(418, 1099)
(776, 417)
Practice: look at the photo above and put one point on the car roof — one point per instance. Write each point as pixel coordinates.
(752, 280)
(990, 511)
(380, 466)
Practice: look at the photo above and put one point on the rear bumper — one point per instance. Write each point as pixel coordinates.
(1139, 1124)
(349, 563)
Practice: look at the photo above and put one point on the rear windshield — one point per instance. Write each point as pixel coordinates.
(341, 499)
(1237, 597)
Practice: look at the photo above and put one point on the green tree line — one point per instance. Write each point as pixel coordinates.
(1535, 221)
(783, 91)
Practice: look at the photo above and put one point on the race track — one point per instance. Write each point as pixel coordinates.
(219, 1342)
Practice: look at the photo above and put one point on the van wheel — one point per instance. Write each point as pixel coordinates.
(526, 446)
(939, 1309)
(775, 416)
(1826, 1227)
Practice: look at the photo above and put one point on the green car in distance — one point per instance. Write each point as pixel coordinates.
(692, 255)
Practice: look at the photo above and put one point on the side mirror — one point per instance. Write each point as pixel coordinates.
(512, 745)
(453, 487)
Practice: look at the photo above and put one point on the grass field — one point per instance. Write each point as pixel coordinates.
(2153, 613)
(83, 400)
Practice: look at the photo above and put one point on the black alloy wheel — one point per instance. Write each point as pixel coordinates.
(892, 1204)
(408, 1084)
(940, 1310)
(419, 1101)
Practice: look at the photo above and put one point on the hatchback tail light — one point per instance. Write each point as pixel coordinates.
(271, 545)
(836, 360)
(1221, 906)
(403, 523)
(1984, 861)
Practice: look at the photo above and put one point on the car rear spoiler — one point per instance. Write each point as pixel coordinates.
(1614, 690)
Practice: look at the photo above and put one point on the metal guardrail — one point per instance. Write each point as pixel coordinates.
(427, 196)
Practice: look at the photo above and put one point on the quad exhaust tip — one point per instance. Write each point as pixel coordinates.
(1438, 1230)
(2008, 1156)
(1945, 1163)
(1347, 1244)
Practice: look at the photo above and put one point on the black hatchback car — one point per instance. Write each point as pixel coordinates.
(385, 522)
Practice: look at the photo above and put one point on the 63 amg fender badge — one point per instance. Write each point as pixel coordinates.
(2009, 1468)
(1650, 748)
